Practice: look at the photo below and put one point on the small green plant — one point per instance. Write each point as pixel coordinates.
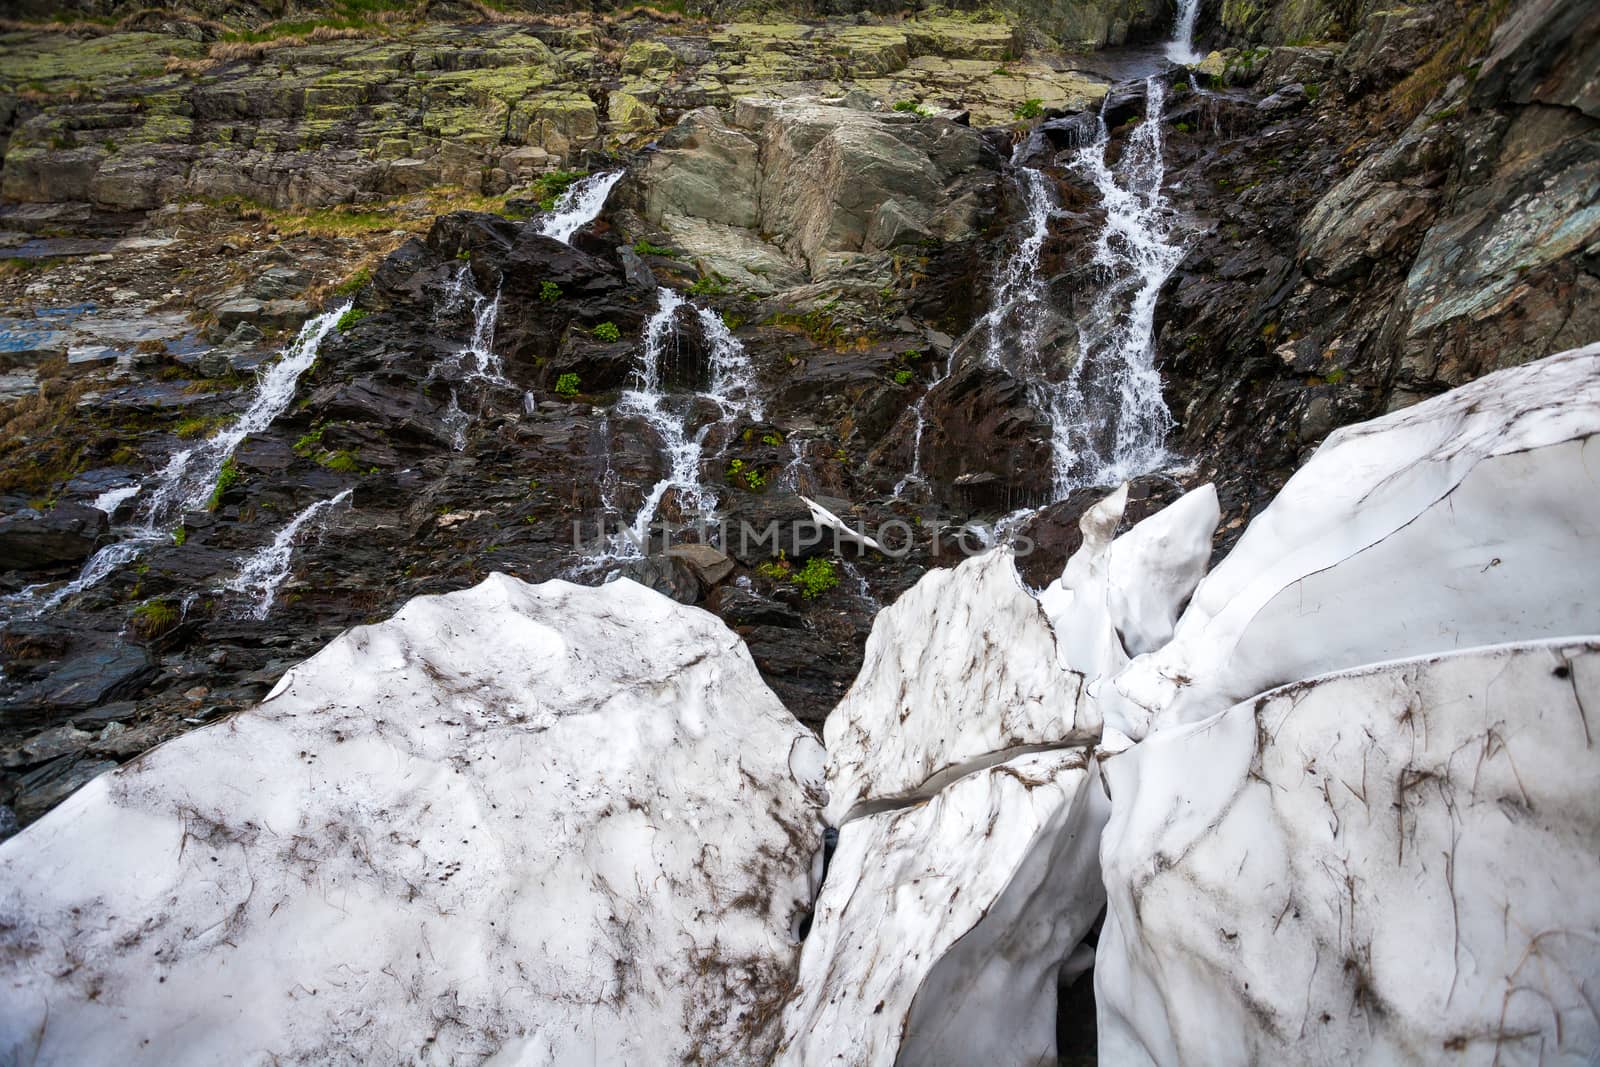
(154, 618)
(741, 473)
(912, 355)
(197, 426)
(772, 438)
(1335, 376)
(340, 460)
(774, 570)
(567, 385)
(645, 248)
(1030, 108)
(1181, 127)
(351, 285)
(549, 292)
(731, 321)
(465, 255)
(547, 189)
(227, 478)
(816, 577)
(308, 443)
(903, 377)
(180, 534)
(712, 284)
(912, 107)
(607, 332)
(350, 318)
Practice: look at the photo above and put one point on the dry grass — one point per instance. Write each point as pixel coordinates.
(149, 18)
(37, 452)
(1477, 22)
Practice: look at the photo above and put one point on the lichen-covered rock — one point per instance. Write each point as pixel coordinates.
(545, 823)
(817, 178)
(706, 169)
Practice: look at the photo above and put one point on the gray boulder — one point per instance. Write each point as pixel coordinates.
(66, 534)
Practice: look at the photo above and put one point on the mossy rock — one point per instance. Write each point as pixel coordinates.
(628, 112)
(958, 39)
(648, 55)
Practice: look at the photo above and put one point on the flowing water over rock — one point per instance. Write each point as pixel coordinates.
(189, 477)
(730, 388)
(475, 362)
(1181, 50)
(264, 572)
(580, 205)
(1109, 419)
(112, 499)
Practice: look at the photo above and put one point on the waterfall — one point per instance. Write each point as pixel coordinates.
(262, 573)
(1109, 419)
(1019, 286)
(579, 205)
(473, 362)
(1181, 49)
(733, 384)
(1018, 310)
(648, 400)
(188, 478)
(731, 389)
(1107, 416)
(187, 481)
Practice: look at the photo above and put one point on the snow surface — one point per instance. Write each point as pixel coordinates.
(924, 947)
(1393, 864)
(545, 824)
(1120, 597)
(1467, 520)
(962, 667)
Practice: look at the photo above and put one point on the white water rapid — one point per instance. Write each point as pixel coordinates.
(263, 572)
(579, 205)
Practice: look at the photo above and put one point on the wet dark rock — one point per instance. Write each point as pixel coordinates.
(743, 609)
(95, 668)
(981, 427)
(667, 575)
(708, 564)
(65, 535)
(760, 526)
(38, 791)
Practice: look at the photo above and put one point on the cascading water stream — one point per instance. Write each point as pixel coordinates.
(579, 205)
(1107, 416)
(1181, 48)
(476, 361)
(110, 500)
(1109, 419)
(731, 389)
(262, 573)
(1014, 319)
(189, 477)
(1011, 328)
